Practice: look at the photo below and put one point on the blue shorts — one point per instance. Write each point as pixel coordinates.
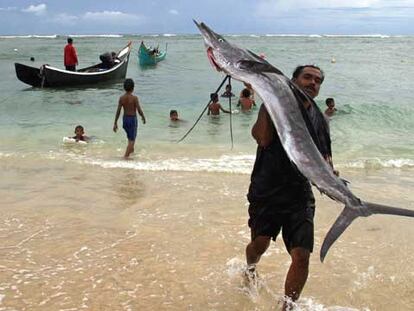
(130, 125)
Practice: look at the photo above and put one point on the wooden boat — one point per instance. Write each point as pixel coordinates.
(48, 76)
(149, 56)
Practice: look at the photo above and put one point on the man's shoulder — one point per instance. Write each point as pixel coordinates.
(69, 47)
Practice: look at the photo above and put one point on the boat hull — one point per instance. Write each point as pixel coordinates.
(48, 76)
(29, 75)
(147, 59)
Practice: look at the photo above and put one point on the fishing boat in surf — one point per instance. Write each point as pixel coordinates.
(104, 72)
(148, 56)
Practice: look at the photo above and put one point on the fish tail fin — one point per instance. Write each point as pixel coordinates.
(349, 214)
(388, 210)
(346, 217)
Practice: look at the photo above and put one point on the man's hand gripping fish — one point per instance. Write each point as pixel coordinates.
(283, 101)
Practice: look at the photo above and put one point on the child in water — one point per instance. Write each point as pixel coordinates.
(246, 102)
(174, 116)
(249, 87)
(330, 102)
(215, 107)
(228, 92)
(79, 134)
(130, 104)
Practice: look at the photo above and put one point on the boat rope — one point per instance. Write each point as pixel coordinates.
(231, 113)
(204, 110)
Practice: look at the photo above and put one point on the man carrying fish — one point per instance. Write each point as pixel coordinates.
(280, 196)
(294, 149)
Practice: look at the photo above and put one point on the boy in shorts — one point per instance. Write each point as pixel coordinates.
(130, 104)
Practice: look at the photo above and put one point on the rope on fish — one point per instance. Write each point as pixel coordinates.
(231, 112)
(202, 112)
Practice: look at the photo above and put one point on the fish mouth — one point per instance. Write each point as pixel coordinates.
(212, 59)
(208, 36)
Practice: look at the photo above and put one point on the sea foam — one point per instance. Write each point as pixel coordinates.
(242, 164)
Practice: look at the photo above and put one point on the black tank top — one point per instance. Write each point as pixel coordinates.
(275, 180)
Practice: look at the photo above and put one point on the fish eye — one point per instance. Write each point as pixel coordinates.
(220, 40)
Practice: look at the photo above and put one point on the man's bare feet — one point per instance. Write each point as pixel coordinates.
(251, 276)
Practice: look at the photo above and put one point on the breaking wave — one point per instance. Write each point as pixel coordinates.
(30, 36)
(234, 164)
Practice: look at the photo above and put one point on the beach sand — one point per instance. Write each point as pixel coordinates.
(81, 237)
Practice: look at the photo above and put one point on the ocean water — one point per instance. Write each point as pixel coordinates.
(84, 229)
(371, 82)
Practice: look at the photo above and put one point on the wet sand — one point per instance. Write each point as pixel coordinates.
(81, 237)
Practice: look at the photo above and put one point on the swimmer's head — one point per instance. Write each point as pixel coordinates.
(330, 102)
(79, 131)
(246, 93)
(214, 97)
(129, 85)
(173, 115)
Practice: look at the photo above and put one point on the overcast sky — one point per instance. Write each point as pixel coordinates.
(20, 17)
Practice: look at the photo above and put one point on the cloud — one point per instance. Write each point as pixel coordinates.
(112, 17)
(270, 6)
(279, 8)
(36, 9)
(173, 12)
(65, 19)
(9, 8)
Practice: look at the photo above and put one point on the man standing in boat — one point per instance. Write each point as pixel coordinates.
(70, 56)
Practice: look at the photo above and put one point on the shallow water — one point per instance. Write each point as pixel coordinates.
(77, 237)
(373, 126)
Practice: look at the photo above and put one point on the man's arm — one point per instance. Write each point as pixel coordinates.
(140, 112)
(224, 110)
(118, 112)
(262, 130)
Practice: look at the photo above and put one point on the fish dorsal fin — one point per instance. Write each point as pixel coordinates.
(258, 66)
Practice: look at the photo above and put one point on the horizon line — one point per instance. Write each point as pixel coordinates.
(197, 34)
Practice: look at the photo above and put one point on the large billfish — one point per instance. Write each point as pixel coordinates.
(283, 100)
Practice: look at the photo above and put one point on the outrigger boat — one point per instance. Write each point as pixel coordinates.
(148, 56)
(48, 76)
